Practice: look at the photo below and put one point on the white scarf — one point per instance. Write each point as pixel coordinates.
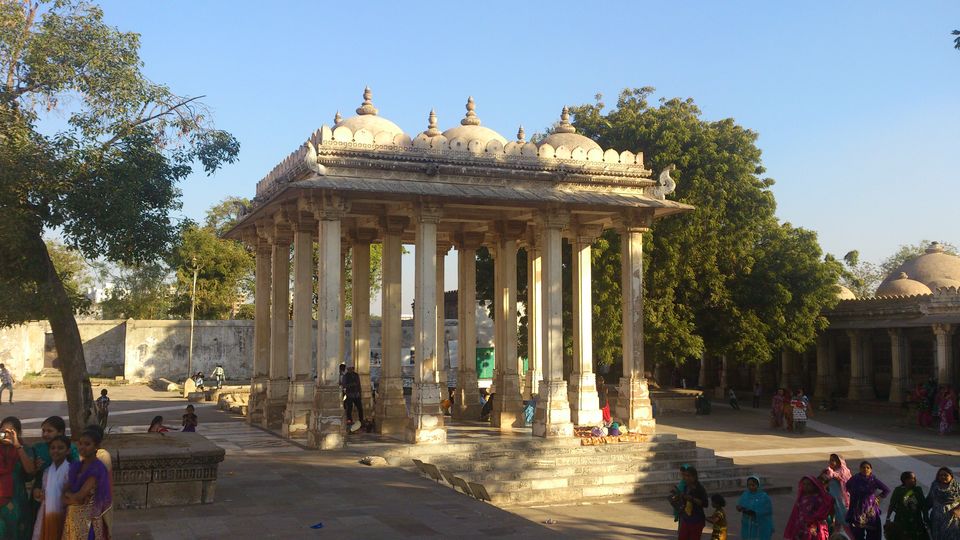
(54, 483)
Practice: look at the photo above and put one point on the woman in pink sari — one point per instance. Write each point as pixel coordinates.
(808, 520)
(837, 470)
(776, 412)
(948, 405)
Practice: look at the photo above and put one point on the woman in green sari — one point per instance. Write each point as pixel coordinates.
(16, 465)
(908, 508)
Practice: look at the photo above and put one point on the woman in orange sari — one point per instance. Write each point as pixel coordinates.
(88, 495)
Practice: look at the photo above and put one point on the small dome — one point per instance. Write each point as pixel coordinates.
(470, 129)
(931, 268)
(367, 119)
(566, 135)
(844, 293)
(902, 286)
(943, 283)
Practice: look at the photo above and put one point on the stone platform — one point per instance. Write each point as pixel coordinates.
(516, 469)
(162, 469)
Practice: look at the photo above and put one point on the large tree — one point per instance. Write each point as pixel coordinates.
(700, 266)
(223, 268)
(106, 179)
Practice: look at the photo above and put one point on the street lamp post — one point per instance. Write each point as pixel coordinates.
(193, 308)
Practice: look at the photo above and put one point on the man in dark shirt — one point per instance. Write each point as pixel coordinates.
(351, 389)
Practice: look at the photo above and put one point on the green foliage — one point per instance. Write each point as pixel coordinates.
(139, 292)
(699, 266)
(222, 216)
(107, 180)
(74, 273)
(956, 40)
(861, 277)
(221, 266)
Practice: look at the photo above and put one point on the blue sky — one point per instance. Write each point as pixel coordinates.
(856, 103)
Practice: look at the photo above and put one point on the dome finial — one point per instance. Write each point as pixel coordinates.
(367, 107)
(903, 275)
(565, 126)
(935, 247)
(432, 130)
(337, 118)
(471, 118)
(521, 135)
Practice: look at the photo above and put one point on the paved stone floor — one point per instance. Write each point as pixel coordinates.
(271, 488)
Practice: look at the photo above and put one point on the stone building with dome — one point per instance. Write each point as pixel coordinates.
(365, 181)
(880, 347)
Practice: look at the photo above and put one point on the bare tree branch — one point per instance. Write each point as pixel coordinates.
(174, 109)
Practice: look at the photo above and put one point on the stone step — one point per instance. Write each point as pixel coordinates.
(598, 493)
(532, 470)
(668, 460)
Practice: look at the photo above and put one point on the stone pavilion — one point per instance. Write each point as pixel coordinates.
(363, 181)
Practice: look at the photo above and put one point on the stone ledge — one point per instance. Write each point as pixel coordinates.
(163, 469)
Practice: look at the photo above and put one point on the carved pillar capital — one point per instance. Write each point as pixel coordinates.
(429, 213)
(554, 219)
(392, 224)
(635, 220)
(944, 329)
(468, 240)
(328, 207)
(586, 234)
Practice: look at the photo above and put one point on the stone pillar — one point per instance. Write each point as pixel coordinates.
(442, 363)
(508, 403)
(279, 381)
(945, 371)
(823, 388)
(721, 391)
(860, 387)
(552, 416)
(302, 386)
(261, 330)
(360, 326)
(426, 419)
(391, 407)
(467, 396)
(327, 429)
(584, 402)
(899, 365)
(534, 372)
(633, 404)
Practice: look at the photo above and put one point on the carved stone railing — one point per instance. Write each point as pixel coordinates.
(163, 469)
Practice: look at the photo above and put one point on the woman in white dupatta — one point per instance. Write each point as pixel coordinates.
(49, 524)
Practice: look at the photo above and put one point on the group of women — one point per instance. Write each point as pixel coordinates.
(789, 410)
(933, 402)
(837, 504)
(54, 489)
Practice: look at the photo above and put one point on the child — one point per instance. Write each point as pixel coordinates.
(48, 491)
(198, 378)
(799, 407)
(88, 495)
(156, 426)
(734, 402)
(719, 517)
(103, 408)
(219, 375)
(190, 420)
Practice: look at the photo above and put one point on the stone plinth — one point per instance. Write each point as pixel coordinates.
(633, 406)
(552, 415)
(426, 422)
(257, 401)
(169, 469)
(391, 409)
(327, 425)
(276, 403)
(296, 419)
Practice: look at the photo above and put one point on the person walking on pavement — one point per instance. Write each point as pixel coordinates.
(756, 395)
(352, 390)
(219, 375)
(6, 382)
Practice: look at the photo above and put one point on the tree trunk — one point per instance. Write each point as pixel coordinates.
(66, 335)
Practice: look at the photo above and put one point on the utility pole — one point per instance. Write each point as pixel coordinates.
(193, 308)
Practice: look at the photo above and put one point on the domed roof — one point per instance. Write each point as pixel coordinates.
(566, 135)
(931, 268)
(844, 293)
(367, 119)
(902, 286)
(470, 130)
(939, 283)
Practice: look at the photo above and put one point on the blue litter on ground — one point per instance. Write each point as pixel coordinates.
(317, 526)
